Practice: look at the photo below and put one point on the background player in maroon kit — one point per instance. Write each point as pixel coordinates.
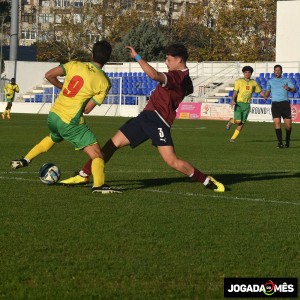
(155, 121)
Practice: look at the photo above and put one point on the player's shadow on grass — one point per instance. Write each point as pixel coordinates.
(230, 179)
(226, 179)
(133, 184)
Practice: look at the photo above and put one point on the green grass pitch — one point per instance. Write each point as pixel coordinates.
(164, 237)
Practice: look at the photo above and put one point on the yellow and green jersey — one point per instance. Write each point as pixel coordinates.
(10, 90)
(83, 81)
(244, 89)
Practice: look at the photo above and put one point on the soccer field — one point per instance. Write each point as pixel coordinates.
(164, 237)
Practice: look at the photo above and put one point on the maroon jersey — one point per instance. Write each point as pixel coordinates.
(165, 99)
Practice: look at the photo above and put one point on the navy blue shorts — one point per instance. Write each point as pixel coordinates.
(281, 109)
(147, 125)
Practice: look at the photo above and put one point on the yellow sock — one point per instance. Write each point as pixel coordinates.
(43, 146)
(8, 113)
(98, 171)
(4, 113)
(235, 134)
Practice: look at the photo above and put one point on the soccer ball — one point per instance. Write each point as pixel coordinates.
(49, 173)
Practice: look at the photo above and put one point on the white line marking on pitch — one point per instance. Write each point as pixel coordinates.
(221, 197)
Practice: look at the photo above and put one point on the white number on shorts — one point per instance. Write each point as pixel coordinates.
(161, 133)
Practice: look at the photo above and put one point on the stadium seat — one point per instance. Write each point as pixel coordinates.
(291, 75)
(297, 95)
(285, 75)
(268, 101)
(230, 93)
(297, 75)
(262, 75)
(221, 100)
(267, 75)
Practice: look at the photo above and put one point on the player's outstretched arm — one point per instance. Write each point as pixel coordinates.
(149, 70)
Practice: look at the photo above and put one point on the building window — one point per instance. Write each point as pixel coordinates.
(92, 37)
(28, 18)
(28, 35)
(45, 18)
(45, 3)
(78, 3)
(66, 3)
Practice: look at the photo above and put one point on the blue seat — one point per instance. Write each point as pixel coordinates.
(297, 95)
(285, 75)
(297, 75)
(262, 75)
(291, 75)
(268, 101)
(267, 75)
(227, 100)
(221, 100)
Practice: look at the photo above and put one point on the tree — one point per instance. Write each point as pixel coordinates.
(147, 39)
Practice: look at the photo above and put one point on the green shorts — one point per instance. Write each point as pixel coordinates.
(78, 135)
(241, 111)
(10, 100)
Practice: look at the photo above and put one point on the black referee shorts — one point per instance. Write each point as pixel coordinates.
(281, 109)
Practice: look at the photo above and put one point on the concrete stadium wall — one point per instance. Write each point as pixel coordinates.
(110, 110)
(288, 31)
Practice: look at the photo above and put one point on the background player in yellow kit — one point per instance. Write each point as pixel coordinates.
(10, 89)
(85, 86)
(242, 92)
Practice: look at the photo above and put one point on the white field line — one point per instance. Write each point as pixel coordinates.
(221, 197)
(214, 196)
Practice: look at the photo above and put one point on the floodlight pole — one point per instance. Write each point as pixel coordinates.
(14, 33)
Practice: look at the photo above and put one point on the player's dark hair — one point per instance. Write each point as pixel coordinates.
(247, 68)
(101, 52)
(278, 66)
(13, 80)
(177, 50)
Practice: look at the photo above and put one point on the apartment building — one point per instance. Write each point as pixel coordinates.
(42, 19)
